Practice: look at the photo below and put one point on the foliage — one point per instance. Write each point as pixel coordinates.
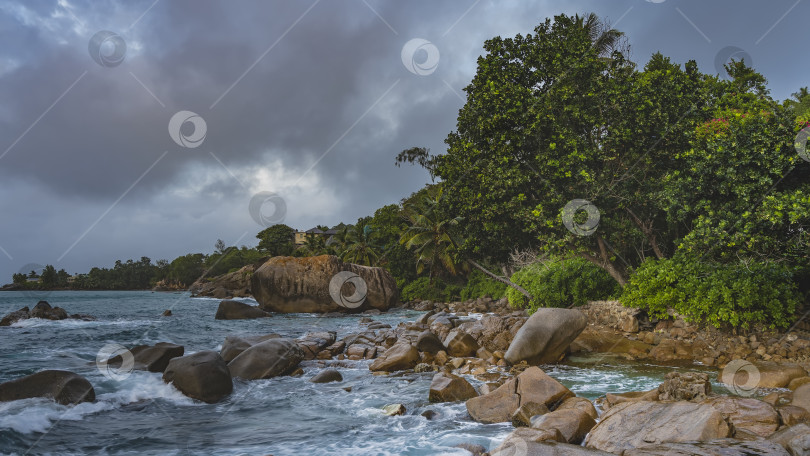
(229, 259)
(429, 234)
(479, 286)
(425, 288)
(556, 116)
(360, 246)
(562, 283)
(735, 293)
(276, 240)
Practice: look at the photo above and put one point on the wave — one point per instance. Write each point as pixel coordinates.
(39, 414)
(73, 323)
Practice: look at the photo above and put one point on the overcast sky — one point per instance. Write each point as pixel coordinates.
(309, 100)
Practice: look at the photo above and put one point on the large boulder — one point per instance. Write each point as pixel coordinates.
(685, 386)
(152, 358)
(288, 284)
(41, 310)
(446, 387)
(235, 345)
(747, 414)
(401, 356)
(533, 442)
(545, 336)
(770, 374)
(203, 376)
(313, 343)
(327, 376)
(236, 310)
(720, 447)
(795, 439)
(233, 284)
(267, 359)
(801, 397)
(532, 385)
(573, 424)
(638, 424)
(429, 343)
(460, 344)
(62, 386)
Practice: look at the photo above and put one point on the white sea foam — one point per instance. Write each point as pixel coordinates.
(73, 323)
(38, 414)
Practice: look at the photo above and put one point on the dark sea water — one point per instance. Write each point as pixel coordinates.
(140, 415)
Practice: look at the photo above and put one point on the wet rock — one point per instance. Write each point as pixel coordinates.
(475, 450)
(545, 336)
(399, 357)
(460, 344)
(235, 345)
(579, 403)
(315, 342)
(523, 415)
(430, 343)
(795, 439)
(790, 415)
(394, 410)
(152, 358)
(446, 387)
(637, 424)
(203, 376)
(62, 386)
(327, 376)
(267, 359)
(573, 424)
(288, 284)
(721, 447)
(166, 313)
(429, 414)
(532, 385)
(685, 386)
(15, 316)
(236, 310)
(747, 414)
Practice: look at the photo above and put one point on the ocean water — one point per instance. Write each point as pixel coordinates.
(141, 415)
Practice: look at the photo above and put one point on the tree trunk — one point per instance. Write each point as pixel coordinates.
(503, 280)
(648, 232)
(603, 261)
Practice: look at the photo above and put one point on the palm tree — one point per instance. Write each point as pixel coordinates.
(431, 234)
(604, 39)
(360, 248)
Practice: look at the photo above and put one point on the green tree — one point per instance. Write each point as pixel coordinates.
(48, 279)
(276, 240)
(19, 278)
(560, 115)
(187, 268)
(360, 247)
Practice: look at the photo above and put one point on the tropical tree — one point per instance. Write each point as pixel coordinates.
(276, 240)
(360, 247)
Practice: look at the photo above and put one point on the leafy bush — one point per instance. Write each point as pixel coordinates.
(421, 289)
(736, 294)
(562, 283)
(479, 285)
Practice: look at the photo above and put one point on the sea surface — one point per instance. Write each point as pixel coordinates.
(138, 414)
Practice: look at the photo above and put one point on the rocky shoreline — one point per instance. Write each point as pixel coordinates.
(497, 346)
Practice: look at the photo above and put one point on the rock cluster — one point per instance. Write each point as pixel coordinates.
(41, 310)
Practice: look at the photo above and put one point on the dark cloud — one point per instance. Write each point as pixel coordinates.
(333, 82)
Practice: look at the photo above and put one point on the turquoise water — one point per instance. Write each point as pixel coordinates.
(140, 414)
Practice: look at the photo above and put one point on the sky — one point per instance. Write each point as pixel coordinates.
(155, 127)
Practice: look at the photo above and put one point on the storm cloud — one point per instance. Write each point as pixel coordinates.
(310, 100)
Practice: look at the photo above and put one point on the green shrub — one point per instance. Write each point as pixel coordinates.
(562, 283)
(422, 288)
(736, 294)
(479, 285)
